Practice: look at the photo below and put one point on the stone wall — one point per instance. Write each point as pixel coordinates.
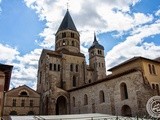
(113, 103)
(15, 94)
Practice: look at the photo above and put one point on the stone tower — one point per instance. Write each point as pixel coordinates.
(96, 59)
(67, 36)
(65, 68)
(61, 70)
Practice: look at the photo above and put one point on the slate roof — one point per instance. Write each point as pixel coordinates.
(96, 44)
(67, 23)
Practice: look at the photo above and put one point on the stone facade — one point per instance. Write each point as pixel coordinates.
(21, 101)
(112, 103)
(67, 85)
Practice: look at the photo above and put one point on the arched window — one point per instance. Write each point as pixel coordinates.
(72, 43)
(153, 70)
(23, 93)
(74, 102)
(150, 69)
(50, 66)
(55, 67)
(124, 92)
(74, 81)
(63, 43)
(153, 86)
(76, 68)
(102, 65)
(157, 88)
(13, 113)
(85, 99)
(72, 35)
(99, 64)
(101, 97)
(71, 67)
(89, 81)
(58, 67)
(98, 51)
(92, 53)
(126, 111)
(30, 113)
(63, 35)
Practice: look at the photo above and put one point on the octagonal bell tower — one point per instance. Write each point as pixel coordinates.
(97, 59)
(67, 36)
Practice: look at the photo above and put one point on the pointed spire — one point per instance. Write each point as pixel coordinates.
(67, 6)
(95, 38)
(96, 44)
(67, 23)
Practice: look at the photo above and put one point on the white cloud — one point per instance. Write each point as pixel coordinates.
(25, 69)
(99, 16)
(157, 13)
(89, 16)
(140, 18)
(7, 53)
(31, 58)
(134, 45)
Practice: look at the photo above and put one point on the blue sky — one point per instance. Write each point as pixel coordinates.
(126, 28)
(20, 26)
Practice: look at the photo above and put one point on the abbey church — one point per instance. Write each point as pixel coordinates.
(68, 85)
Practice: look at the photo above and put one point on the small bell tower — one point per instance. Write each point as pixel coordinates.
(97, 59)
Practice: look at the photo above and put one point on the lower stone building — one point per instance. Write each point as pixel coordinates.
(123, 94)
(21, 101)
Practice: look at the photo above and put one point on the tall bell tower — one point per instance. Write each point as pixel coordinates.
(67, 36)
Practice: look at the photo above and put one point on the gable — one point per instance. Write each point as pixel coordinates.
(23, 91)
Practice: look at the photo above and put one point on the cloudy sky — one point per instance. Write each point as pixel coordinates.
(126, 28)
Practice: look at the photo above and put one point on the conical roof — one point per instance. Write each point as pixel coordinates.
(96, 44)
(67, 23)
